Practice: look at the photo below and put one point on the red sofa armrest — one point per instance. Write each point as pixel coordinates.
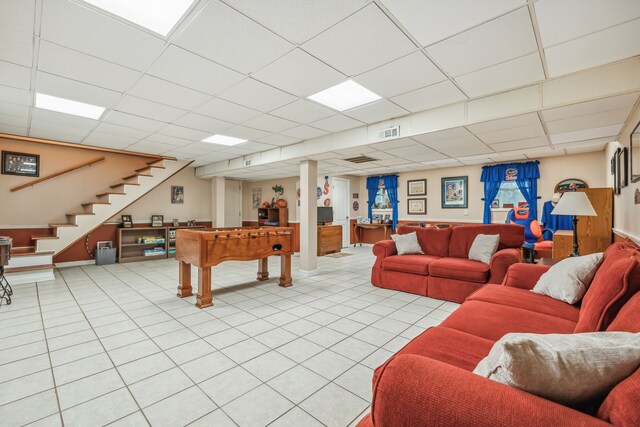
(524, 276)
(500, 263)
(383, 249)
(414, 390)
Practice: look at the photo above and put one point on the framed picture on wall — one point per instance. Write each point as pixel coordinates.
(417, 187)
(417, 206)
(157, 220)
(622, 162)
(454, 192)
(177, 194)
(615, 165)
(22, 164)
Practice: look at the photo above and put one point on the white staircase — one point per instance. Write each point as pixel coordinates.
(31, 264)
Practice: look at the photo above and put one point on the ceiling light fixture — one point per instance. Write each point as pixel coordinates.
(158, 16)
(224, 140)
(345, 95)
(68, 106)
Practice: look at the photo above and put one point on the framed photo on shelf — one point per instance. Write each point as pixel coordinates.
(176, 223)
(454, 192)
(126, 221)
(157, 220)
(417, 187)
(191, 223)
(417, 206)
(495, 204)
(22, 164)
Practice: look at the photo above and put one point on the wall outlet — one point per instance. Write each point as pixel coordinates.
(466, 212)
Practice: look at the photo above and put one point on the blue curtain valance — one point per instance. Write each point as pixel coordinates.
(514, 171)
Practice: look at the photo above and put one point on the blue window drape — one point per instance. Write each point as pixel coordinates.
(526, 176)
(391, 184)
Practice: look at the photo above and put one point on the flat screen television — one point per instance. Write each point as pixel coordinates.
(325, 214)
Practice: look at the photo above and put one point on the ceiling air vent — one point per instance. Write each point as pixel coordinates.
(360, 159)
(247, 163)
(392, 132)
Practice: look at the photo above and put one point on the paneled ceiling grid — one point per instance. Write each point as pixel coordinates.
(245, 68)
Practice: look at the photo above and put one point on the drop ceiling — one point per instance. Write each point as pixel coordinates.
(245, 68)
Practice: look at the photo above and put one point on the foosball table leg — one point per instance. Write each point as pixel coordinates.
(285, 271)
(184, 280)
(263, 269)
(204, 298)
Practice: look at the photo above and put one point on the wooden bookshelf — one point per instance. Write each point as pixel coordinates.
(131, 249)
(276, 217)
(171, 238)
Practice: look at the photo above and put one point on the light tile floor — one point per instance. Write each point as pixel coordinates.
(114, 345)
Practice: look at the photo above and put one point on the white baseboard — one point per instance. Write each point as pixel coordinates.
(74, 263)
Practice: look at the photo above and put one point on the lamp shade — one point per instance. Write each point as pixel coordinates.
(574, 203)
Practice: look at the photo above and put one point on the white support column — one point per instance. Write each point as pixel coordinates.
(219, 185)
(308, 216)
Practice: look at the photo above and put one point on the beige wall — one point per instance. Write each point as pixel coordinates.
(626, 214)
(197, 200)
(49, 201)
(249, 213)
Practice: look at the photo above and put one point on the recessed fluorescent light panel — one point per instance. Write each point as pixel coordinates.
(224, 140)
(345, 95)
(158, 16)
(68, 106)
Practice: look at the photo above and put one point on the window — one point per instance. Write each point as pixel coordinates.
(382, 200)
(509, 195)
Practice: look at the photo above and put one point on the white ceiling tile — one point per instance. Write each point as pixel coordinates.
(418, 153)
(278, 140)
(506, 123)
(596, 144)
(430, 21)
(393, 144)
(270, 123)
(470, 150)
(337, 123)
(458, 133)
(57, 132)
(110, 128)
(605, 118)
(150, 147)
(16, 46)
(17, 14)
(504, 38)
(231, 39)
(193, 71)
(108, 140)
(304, 132)
(76, 91)
(256, 146)
(402, 75)
(203, 123)
(185, 133)
(256, 95)
(227, 111)
(512, 134)
(591, 107)
(245, 132)
(297, 20)
(14, 95)
(166, 139)
(13, 130)
(13, 120)
(521, 144)
(507, 75)
(164, 92)
(536, 153)
(58, 60)
(303, 111)
(53, 117)
(585, 134)
(363, 41)
(15, 75)
(132, 121)
(10, 109)
(600, 48)
(376, 111)
(299, 74)
(152, 110)
(430, 97)
(80, 28)
(587, 16)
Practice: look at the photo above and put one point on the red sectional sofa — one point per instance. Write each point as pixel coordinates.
(445, 270)
(430, 382)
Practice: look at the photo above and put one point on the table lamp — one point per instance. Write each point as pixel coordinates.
(574, 203)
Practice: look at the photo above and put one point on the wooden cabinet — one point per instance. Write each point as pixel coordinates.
(276, 217)
(594, 232)
(329, 239)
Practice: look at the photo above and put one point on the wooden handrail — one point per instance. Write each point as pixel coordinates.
(81, 146)
(53, 175)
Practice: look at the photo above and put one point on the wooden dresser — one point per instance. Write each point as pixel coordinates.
(329, 239)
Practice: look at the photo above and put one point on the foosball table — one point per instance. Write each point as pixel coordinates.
(207, 248)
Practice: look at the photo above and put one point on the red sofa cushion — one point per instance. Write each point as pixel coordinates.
(415, 264)
(628, 318)
(621, 407)
(460, 269)
(511, 236)
(493, 321)
(433, 241)
(617, 279)
(526, 300)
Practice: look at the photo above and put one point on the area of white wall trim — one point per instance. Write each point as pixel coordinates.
(621, 233)
(75, 263)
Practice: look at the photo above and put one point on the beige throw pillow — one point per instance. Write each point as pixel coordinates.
(569, 279)
(483, 247)
(568, 369)
(407, 244)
